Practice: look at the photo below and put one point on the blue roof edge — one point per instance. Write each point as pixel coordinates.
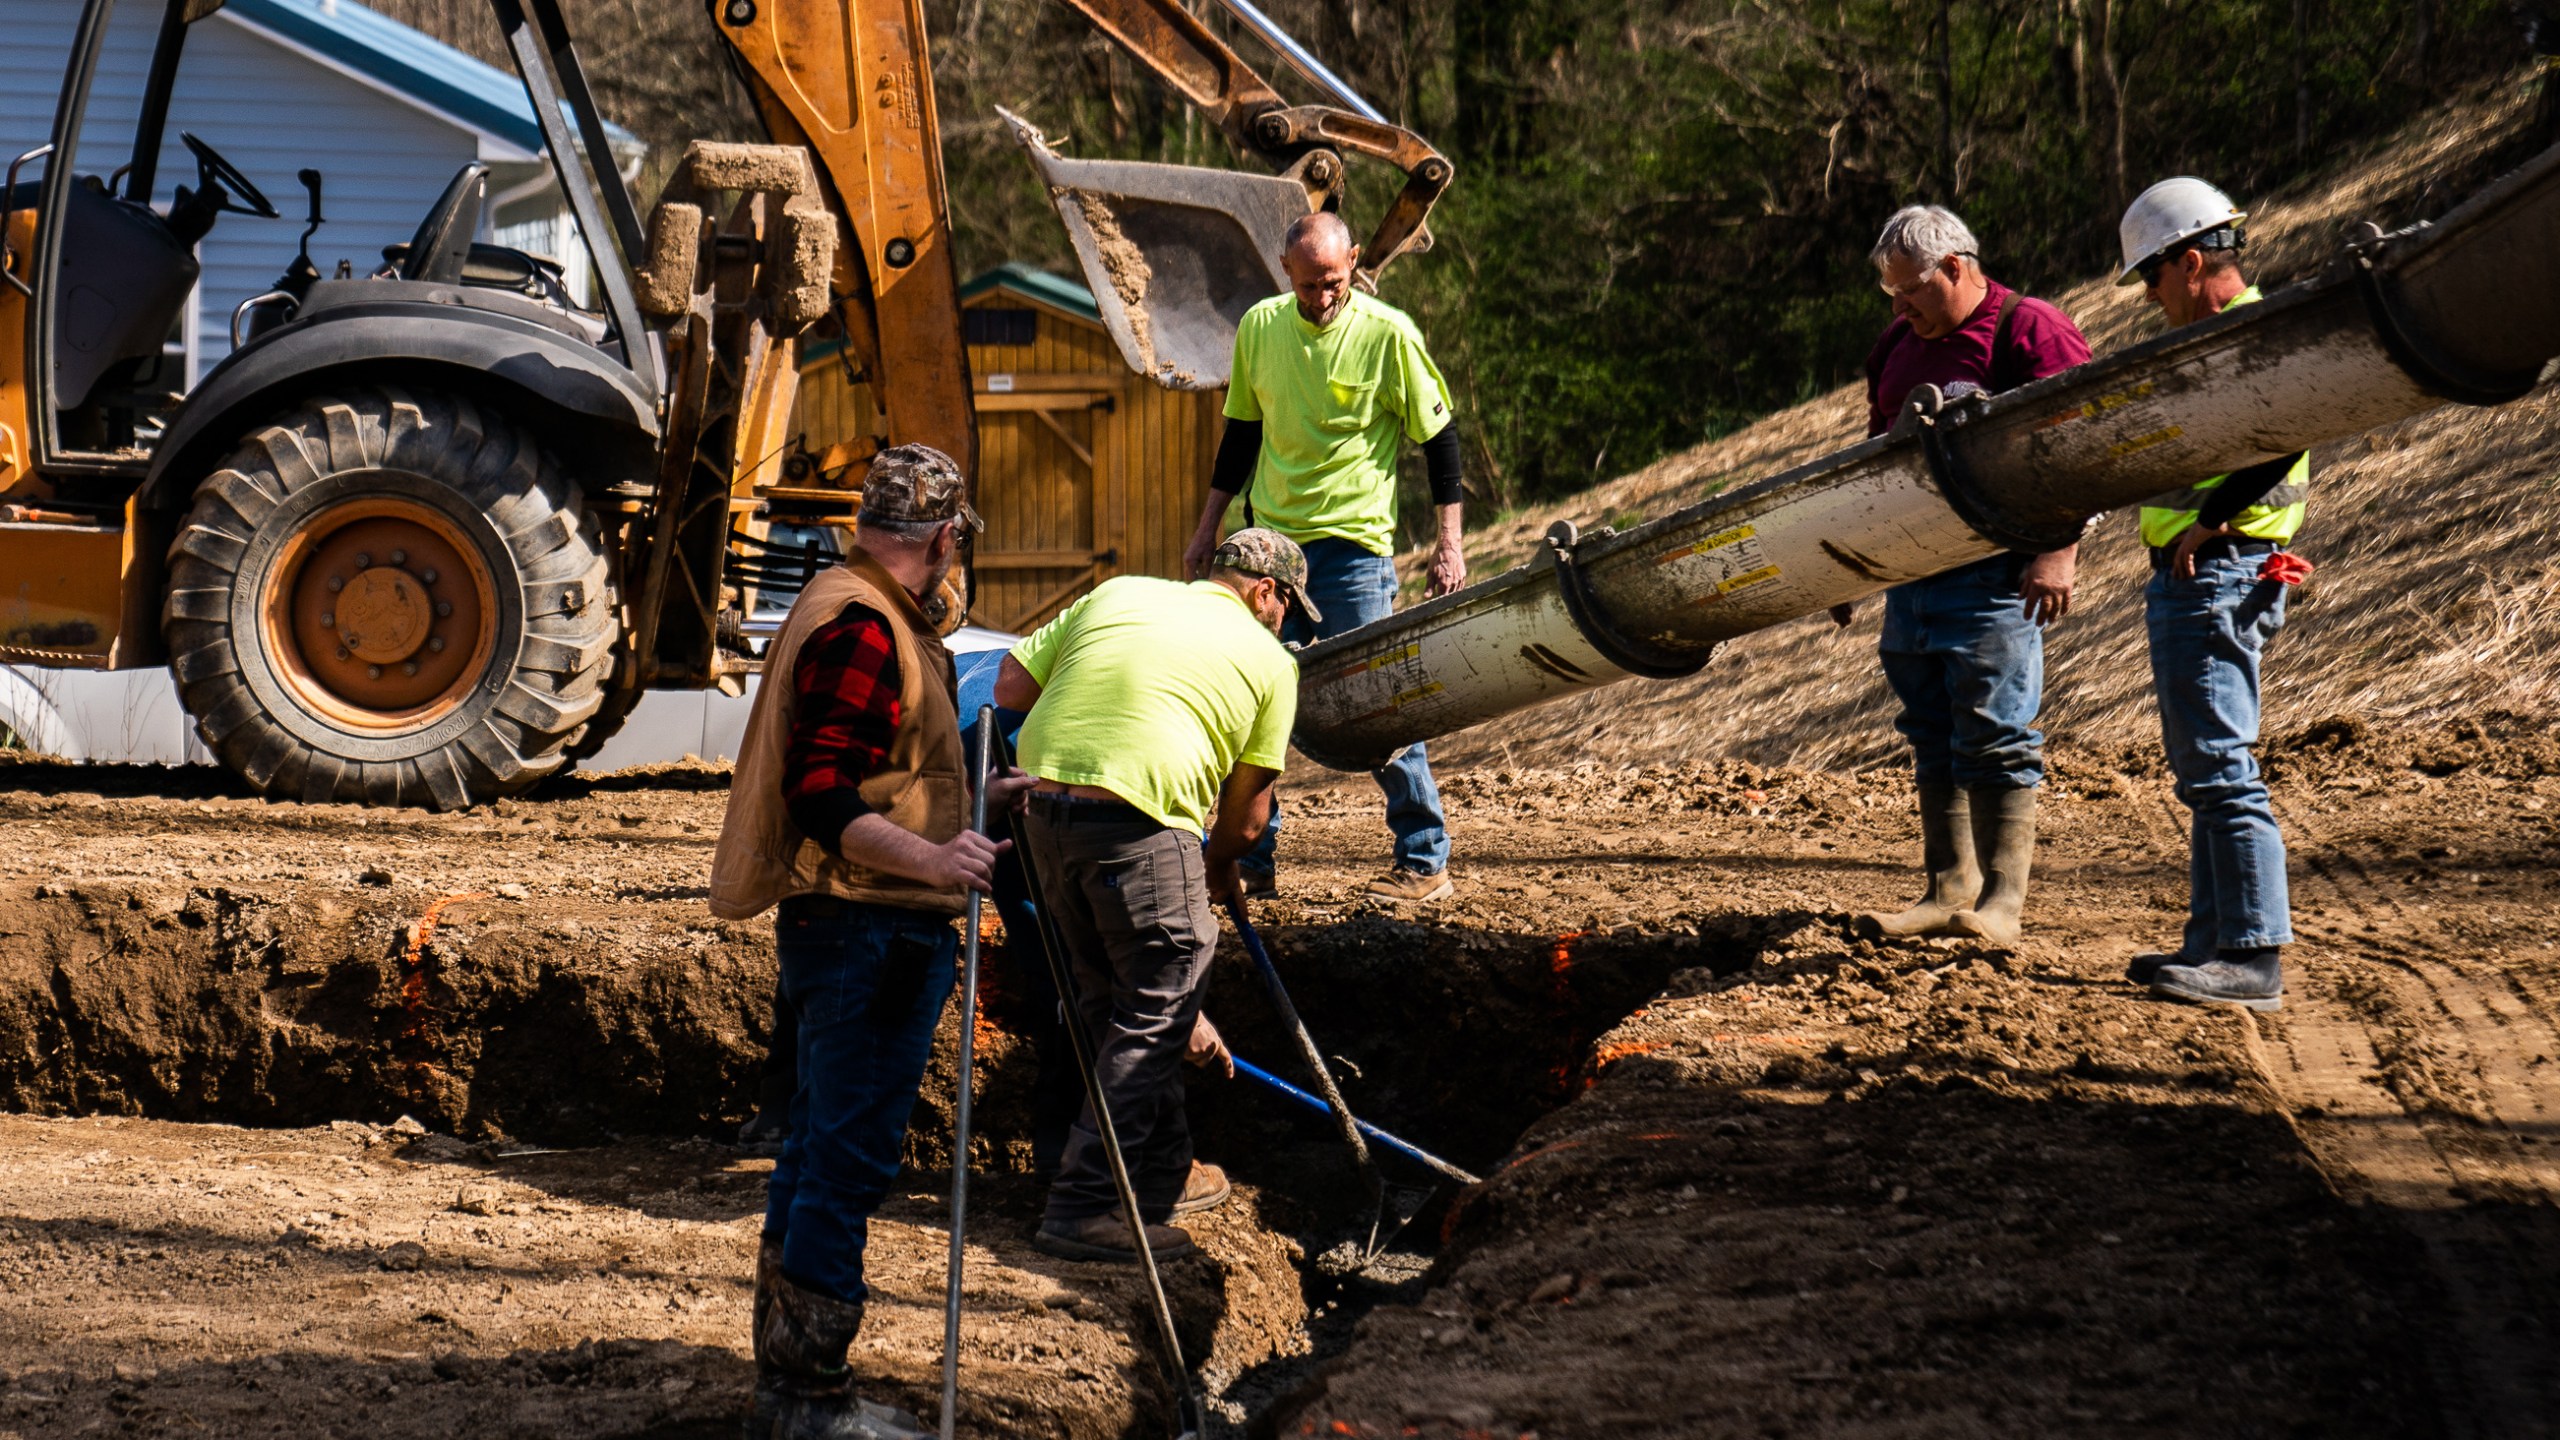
(412, 62)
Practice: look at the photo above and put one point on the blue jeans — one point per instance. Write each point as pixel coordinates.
(2207, 635)
(867, 984)
(1968, 666)
(1353, 587)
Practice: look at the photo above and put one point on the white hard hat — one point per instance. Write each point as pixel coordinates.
(2169, 212)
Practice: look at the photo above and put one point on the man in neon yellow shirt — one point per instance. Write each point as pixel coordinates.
(1327, 385)
(1158, 716)
(2217, 596)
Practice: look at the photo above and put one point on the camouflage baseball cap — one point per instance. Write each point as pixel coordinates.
(1273, 556)
(916, 484)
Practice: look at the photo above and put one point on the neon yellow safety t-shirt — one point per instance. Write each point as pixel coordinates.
(1154, 690)
(1333, 403)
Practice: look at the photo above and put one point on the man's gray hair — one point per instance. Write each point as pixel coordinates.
(1925, 235)
(1315, 230)
(905, 532)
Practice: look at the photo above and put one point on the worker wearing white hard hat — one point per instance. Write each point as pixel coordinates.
(2220, 568)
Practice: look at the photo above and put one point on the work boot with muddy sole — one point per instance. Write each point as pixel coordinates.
(1258, 884)
(1412, 887)
(2144, 968)
(1206, 1188)
(2250, 979)
(2004, 847)
(804, 1389)
(845, 1417)
(1946, 853)
(1106, 1238)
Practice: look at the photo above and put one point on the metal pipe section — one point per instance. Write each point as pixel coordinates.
(2465, 309)
(1301, 59)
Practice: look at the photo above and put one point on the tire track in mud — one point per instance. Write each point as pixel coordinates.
(2360, 1057)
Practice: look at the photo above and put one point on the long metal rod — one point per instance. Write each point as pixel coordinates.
(1344, 1122)
(963, 1088)
(2464, 309)
(583, 191)
(1405, 1148)
(1301, 59)
(1190, 1416)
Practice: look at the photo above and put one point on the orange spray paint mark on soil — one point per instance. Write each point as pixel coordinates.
(1560, 981)
(418, 1022)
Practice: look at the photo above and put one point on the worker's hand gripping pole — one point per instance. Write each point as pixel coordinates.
(1190, 1416)
(1343, 1120)
(968, 1060)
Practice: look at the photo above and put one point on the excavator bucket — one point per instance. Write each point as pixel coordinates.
(1174, 254)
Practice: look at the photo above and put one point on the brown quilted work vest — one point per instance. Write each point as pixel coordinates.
(762, 858)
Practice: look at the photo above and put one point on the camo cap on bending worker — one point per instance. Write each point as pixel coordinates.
(916, 485)
(1274, 557)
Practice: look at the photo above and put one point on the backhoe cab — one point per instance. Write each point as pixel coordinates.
(431, 528)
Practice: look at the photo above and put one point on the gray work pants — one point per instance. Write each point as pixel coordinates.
(1131, 900)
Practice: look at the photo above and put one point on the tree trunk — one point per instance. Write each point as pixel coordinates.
(2106, 106)
(2071, 62)
(1943, 62)
(2301, 81)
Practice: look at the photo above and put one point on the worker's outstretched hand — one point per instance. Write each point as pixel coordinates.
(2182, 556)
(1448, 569)
(1208, 1048)
(2044, 588)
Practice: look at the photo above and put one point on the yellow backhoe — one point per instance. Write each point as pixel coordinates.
(426, 535)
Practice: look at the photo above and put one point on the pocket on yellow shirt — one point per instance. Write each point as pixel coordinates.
(1355, 404)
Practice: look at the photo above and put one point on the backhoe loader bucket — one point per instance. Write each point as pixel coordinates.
(1174, 254)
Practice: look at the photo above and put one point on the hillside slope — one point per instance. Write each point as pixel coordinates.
(2438, 592)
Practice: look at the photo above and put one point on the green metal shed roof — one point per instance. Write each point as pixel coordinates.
(1038, 284)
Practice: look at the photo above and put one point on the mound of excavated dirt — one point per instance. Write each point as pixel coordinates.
(2436, 596)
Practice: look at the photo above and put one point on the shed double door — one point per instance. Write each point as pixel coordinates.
(1049, 484)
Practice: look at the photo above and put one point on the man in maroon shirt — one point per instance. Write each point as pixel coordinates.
(1964, 651)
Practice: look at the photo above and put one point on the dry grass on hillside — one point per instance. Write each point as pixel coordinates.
(2438, 591)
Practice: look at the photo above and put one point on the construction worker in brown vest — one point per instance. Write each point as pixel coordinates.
(848, 817)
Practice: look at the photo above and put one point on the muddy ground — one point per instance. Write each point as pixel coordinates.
(1747, 1175)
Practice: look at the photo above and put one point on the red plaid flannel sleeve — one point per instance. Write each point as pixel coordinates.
(844, 713)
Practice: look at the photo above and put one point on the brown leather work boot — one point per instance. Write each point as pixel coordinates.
(1206, 1188)
(1412, 887)
(1106, 1238)
(1947, 853)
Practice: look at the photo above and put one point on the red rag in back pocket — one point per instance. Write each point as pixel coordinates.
(2285, 568)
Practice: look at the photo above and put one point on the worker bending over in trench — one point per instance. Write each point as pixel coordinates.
(1964, 651)
(849, 811)
(2219, 568)
(1153, 707)
(1326, 380)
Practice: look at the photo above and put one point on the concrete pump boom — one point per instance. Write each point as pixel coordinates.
(2466, 309)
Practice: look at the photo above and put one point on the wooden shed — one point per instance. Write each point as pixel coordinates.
(1086, 470)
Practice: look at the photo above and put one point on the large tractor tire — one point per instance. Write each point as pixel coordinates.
(392, 599)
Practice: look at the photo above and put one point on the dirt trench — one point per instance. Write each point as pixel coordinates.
(567, 1042)
(1774, 1180)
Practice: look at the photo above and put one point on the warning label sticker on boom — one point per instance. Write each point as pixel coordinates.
(1727, 561)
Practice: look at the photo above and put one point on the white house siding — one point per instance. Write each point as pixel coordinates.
(264, 106)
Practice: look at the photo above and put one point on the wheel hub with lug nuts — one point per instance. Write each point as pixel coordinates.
(386, 614)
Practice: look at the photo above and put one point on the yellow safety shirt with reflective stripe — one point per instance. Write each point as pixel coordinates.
(2277, 517)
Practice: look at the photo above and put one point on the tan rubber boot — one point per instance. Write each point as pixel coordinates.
(2004, 843)
(1946, 850)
